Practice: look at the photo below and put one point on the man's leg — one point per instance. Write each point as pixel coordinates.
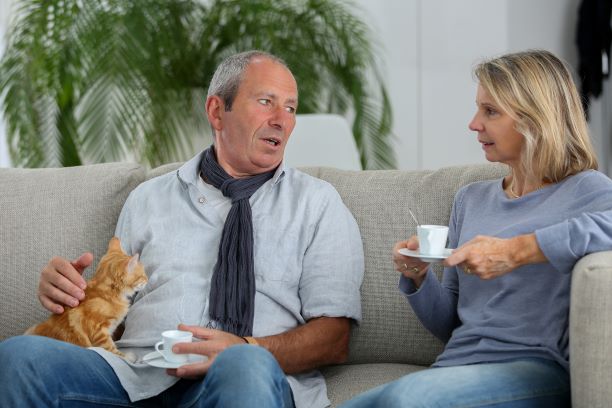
(241, 376)
(513, 384)
(41, 372)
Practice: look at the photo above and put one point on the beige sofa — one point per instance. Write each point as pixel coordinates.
(70, 210)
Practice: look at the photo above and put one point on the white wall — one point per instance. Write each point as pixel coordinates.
(5, 6)
(429, 48)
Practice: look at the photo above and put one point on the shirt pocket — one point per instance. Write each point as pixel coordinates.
(278, 253)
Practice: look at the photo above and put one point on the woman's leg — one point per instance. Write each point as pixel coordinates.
(512, 384)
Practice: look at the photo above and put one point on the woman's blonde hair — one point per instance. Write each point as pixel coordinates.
(537, 90)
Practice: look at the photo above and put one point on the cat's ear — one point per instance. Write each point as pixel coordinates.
(114, 244)
(133, 263)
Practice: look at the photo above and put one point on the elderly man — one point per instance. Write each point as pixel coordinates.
(261, 263)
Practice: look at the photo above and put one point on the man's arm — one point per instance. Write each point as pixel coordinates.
(321, 341)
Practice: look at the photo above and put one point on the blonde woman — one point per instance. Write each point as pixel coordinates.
(503, 304)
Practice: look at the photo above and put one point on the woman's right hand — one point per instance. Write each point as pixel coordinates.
(412, 268)
(61, 283)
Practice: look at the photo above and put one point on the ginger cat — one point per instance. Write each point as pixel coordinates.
(93, 321)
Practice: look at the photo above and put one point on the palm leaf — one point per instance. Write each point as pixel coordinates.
(92, 81)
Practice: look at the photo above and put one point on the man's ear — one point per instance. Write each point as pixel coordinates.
(214, 111)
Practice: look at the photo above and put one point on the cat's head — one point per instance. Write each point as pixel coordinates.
(120, 271)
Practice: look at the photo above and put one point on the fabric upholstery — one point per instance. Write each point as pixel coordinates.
(591, 331)
(44, 213)
(49, 212)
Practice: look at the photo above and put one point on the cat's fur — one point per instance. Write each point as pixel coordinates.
(93, 321)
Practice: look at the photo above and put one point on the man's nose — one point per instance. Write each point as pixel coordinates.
(281, 118)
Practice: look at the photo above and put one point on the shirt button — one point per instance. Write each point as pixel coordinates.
(201, 200)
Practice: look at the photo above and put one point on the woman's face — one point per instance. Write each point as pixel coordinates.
(496, 131)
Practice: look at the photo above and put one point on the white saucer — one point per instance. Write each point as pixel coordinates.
(157, 360)
(426, 257)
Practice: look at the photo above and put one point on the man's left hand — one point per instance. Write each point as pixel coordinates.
(212, 343)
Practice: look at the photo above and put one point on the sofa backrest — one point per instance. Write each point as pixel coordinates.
(67, 211)
(379, 200)
(50, 212)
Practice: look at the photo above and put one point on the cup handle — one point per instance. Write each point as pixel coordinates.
(159, 343)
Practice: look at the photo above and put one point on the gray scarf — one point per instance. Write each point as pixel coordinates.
(232, 290)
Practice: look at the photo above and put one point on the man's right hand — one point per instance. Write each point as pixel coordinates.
(61, 283)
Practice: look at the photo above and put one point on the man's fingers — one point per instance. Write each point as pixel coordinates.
(199, 332)
(50, 305)
(82, 262)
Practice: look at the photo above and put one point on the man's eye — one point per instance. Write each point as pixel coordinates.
(264, 101)
(290, 109)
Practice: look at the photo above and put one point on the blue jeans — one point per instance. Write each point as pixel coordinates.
(524, 383)
(41, 372)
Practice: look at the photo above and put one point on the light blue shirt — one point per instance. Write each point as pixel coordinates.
(308, 263)
(524, 313)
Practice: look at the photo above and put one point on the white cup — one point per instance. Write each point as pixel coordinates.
(432, 239)
(169, 339)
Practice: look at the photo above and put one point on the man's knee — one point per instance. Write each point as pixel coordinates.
(248, 359)
(18, 351)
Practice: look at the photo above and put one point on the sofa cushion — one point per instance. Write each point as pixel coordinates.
(379, 200)
(48, 212)
(346, 381)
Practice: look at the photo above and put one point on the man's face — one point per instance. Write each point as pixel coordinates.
(251, 138)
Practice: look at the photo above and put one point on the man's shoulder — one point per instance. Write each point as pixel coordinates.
(161, 184)
(301, 180)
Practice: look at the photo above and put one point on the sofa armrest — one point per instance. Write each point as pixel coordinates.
(591, 331)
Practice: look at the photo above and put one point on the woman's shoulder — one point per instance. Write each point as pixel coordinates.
(480, 187)
(588, 180)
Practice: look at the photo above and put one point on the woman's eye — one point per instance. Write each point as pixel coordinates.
(491, 112)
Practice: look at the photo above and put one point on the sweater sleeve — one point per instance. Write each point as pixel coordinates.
(589, 230)
(435, 303)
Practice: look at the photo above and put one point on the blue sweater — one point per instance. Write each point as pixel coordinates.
(524, 313)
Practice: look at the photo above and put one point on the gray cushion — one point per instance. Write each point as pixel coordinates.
(379, 200)
(346, 381)
(50, 212)
(591, 331)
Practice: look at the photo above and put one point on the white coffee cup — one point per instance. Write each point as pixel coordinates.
(432, 239)
(169, 339)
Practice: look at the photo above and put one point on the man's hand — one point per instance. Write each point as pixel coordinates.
(412, 268)
(321, 341)
(212, 343)
(489, 257)
(61, 283)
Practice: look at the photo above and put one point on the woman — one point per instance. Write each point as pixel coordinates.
(503, 304)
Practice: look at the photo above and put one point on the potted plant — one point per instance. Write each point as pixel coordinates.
(86, 81)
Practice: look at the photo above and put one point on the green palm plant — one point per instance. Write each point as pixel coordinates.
(87, 81)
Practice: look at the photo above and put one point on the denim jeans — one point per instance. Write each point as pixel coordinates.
(41, 372)
(511, 384)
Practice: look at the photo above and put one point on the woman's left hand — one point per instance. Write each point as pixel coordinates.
(488, 257)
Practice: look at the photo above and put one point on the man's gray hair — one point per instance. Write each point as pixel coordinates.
(229, 74)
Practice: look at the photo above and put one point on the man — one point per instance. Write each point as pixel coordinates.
(238, 250)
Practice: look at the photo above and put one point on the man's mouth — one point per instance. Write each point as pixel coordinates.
(272, 141)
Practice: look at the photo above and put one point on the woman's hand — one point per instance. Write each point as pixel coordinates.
(412, 268)
(490, 257)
